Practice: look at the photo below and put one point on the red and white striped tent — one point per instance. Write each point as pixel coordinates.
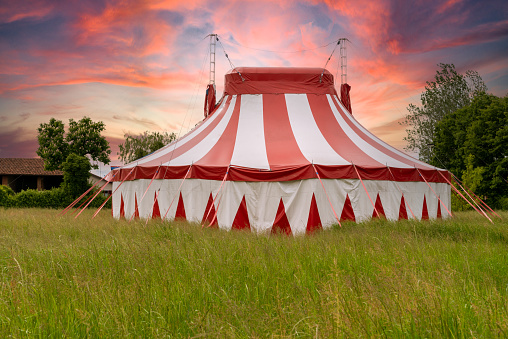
(279, 153)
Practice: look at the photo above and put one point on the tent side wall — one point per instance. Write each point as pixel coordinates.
(263, 199)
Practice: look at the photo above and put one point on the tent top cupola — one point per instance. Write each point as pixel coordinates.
(278, 80)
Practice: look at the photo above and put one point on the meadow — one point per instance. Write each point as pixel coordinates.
(66, 277)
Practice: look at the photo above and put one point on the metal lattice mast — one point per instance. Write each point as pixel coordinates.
(343, 61)
(213, 44)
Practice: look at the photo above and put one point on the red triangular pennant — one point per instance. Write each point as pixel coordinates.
(439, 208)
(156, 213)
(122, 207)
(379, 208)
(347, 210)
(136, 210)
(425, 211)
(314, 221)
(208, 216)
(180, 209)
(242, 216)
(402, 209)
(281, 223)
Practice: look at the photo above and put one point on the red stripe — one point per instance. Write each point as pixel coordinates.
(191, 143)
(222, 152)
(281, 147)
(335, 135)
(379, 146)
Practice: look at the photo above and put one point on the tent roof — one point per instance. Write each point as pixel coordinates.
(278, 80)
(278, 124)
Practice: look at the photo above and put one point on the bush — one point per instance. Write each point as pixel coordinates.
(54, 198)
(6, 196)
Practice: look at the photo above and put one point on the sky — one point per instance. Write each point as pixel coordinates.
(140, 65)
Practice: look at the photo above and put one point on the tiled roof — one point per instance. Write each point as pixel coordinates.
(27, 166)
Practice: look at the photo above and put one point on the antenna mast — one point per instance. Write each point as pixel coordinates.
(343, 61)
(213, 44)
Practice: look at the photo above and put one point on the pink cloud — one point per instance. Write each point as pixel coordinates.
(19, 10)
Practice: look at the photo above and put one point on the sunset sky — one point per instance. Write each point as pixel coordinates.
(142, 65)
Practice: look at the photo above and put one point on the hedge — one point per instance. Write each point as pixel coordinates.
(54, 198)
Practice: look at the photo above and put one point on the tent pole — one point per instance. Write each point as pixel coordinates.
(84, 202)
(104, 203)
(95, 196)
(185, 177)
(154, 200)
(470, 197)
(365, 188)
(213, 201)
(156, 172)
(437, 196)
(456, 190)
(395, 182)
(477, 197)
(78, 199)
(216, 211)
(324, 189)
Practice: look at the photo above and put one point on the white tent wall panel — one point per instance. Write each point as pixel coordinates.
(115, 201)
(337, 191)
(263, 198)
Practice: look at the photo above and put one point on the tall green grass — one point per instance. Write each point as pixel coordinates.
(66, 277)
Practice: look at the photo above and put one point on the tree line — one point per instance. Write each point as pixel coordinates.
(462, 128)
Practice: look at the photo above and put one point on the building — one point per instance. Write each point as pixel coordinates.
(28, 173)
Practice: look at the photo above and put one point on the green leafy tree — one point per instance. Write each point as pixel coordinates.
(449, 92)
(76, 169)
(473, 144)
(138, 146)
(84, 137)
(52, 145)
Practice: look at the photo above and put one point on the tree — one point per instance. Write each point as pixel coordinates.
(76, 171)
(52, 146)
(138, 146)
(84, 137)
(473, 144)
(449, 92)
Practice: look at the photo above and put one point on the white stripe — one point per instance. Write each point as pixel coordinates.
(379, 141)
(205, 145)
(250, 148)
(311, 142)
(180, 142)
(366, 148)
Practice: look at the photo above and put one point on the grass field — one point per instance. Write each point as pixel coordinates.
(62, 277)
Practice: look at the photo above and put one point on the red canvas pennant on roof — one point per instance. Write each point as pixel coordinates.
(136, 209)
(122, 207)
(180, 209)
(208, 216)
(347, 210)
(402, 209)
(281, 223)
(156, 213)
(379, 208)
(438, 208)
(425, 211)
(242, 216)
(314, 222)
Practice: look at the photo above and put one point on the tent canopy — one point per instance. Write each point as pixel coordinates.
(278, 124)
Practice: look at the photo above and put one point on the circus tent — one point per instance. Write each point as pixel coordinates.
(279, 153)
